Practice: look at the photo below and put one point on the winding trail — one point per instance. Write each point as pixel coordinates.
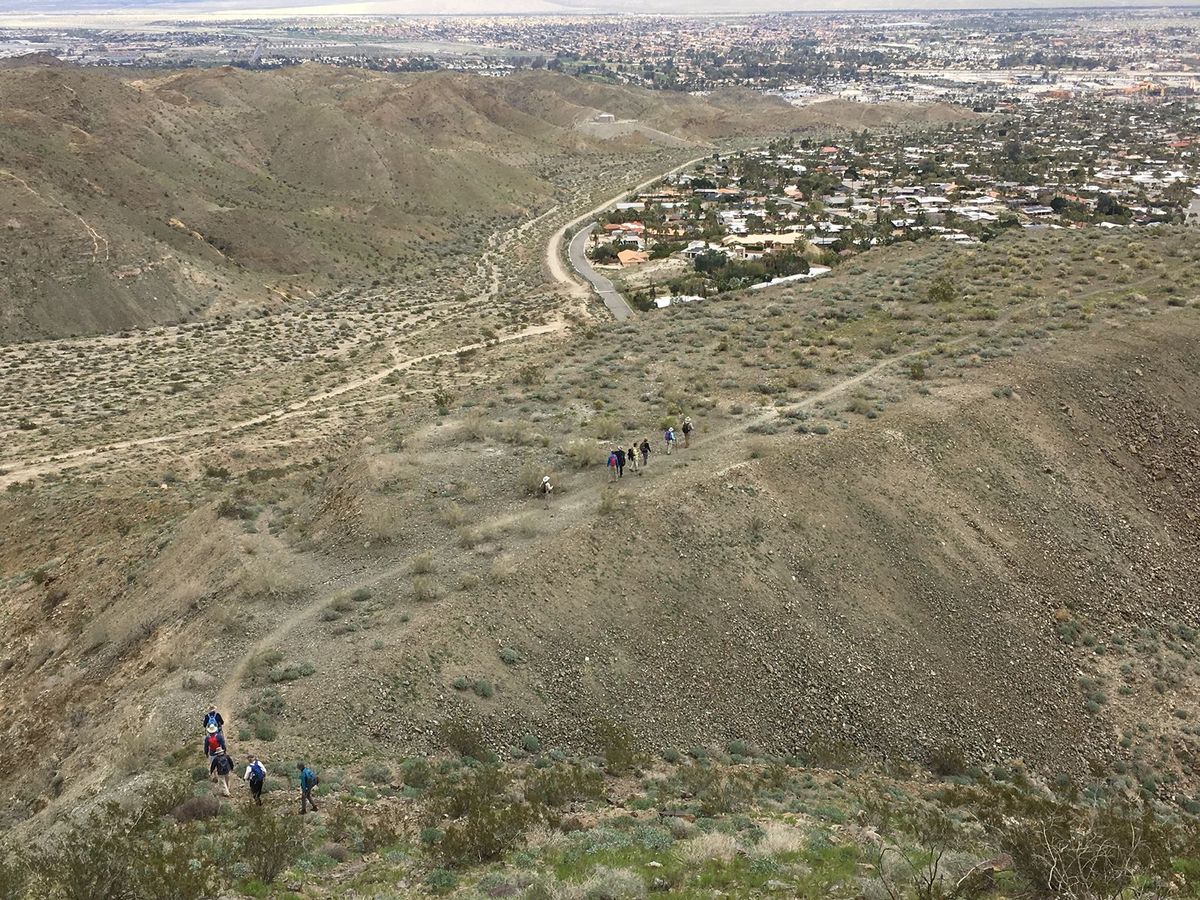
(17, 471)
(96, 236)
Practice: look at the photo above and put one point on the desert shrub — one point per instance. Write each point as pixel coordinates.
(426, 589)
(946, 760)
(529, 481)
(441, 881)
(718, 792)
(452, 515)
(556, 787)
(261, 665)
(618, 746)
(1098, 852)
(269, 579)
(422, 564)
(479, 819)
(14, 874)
(585, 453)
(465, 740)
(377, 773)
(613, 884)
(483, 688)
(292, 672)
(416, 772)
(117, 852)
(509, 656)
(269, 844)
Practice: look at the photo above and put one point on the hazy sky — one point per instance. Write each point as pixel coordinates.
(31, 13)
(223, 8)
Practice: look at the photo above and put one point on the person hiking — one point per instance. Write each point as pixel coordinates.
(631, 459)
(612, 466)
(687, 432)
(546, 489)
(669, 439)
(221, 766)
(620, 463)
(212, 717)
(308, 781)
(645, 448)
(214, 740)
(256, 776)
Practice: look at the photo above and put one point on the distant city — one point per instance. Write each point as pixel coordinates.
(975, 59)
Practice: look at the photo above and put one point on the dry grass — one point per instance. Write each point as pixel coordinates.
(381, 520)
(426, 589)
(422, 564)
(269, 577)
(502, 569)
(715, 845)
(779, 838)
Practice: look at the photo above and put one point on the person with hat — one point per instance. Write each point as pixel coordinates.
(212, 717)
(220, 767)
(214, 740)
(546, 489)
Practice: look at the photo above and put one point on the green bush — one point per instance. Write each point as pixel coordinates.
(618, 747)
(270, 843)
(479, 819)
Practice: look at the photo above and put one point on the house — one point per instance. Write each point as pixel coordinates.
(632, 257)
(695, 248)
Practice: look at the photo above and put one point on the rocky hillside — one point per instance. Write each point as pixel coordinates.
(907, 530)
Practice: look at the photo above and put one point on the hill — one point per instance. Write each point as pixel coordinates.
(130, 201)
(390, 546)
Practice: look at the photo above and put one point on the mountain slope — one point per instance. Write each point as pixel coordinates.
(136, 200)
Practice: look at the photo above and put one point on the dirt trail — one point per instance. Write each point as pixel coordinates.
(97, 237)
(17, 471)
(569, 509)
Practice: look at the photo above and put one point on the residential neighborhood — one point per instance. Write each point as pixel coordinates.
(796, 208)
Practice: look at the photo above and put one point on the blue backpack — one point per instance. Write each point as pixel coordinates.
(257, 772)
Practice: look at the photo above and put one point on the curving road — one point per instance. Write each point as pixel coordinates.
(616, 303)
(554, 248)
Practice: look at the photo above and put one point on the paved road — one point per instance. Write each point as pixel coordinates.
(612, 298)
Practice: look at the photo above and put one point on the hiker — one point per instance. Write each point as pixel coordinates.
(687, 432)
(221, 765)
(308, 781)
(669, 439)
(546, 489)
(631, 458)
(620, 463)
(612, 465)
(214, 740)
(256, 776)
(212, 717)
(645, 448)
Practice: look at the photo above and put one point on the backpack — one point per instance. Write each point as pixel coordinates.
(257, 772)
(211, 719)
(211, 743)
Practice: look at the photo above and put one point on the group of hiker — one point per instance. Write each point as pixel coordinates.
(221, 765)
(637, 457)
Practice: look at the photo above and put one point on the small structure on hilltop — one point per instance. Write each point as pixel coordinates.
(605, 118)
